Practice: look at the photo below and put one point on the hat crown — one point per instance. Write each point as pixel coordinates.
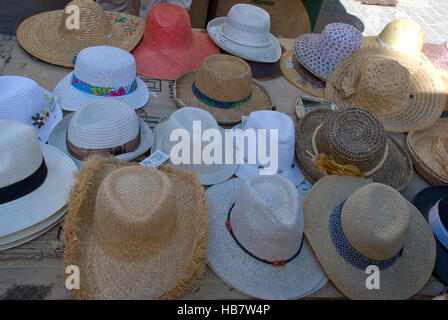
(339, 40)
(396, 34)
(267, 219)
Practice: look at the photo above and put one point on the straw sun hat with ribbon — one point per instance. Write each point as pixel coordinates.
(223, 86)
(350, 142)
(135, 232)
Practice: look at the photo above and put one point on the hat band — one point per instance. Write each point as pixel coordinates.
(345, 249)
(26, 186)
(439, 230)
(216, 103)
(274, 263)
(103, 91)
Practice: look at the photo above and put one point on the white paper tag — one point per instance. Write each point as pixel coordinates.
(155, 160)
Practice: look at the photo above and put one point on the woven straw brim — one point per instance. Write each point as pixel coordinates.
(402, 280)
(427, 88)
(39, 36)
(184, 97)
(167, 273)
(395, 172)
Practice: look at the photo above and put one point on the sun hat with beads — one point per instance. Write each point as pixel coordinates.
(405, 94)
(256, 242)
(22, 100)
(135, 232)
(350, 142)
(223, 86)
(352, 223)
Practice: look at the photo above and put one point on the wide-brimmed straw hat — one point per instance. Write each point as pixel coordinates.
(135, 232)
(256, 242)
(183, 119)
(245, 34)
(169, 47)
(55, 37)
(350, 142)
(352, 224)
(405, 94)
(34, 183)
(321, 53)
(223, 86)
(102, 72)
(108, 128)
(22, 100)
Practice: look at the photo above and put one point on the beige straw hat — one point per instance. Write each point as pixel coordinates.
(350, 142)
(53, 37)
(352, 224)
(135, 232)
(405, 94)
(223, 86)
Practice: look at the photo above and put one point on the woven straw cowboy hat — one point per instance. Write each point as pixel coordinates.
(169, 47)
(256, 242)
(135, 232)
(350, 142)
(102, 72)
(406, 95)
(47, 35)
(352, 223)
(22, 100)
(223, 86)
(102, 128)
(34, 183)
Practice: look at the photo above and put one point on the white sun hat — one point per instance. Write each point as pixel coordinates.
(268, 120)
(35, 180)
(22, 100)
(102, 127)
(256, 239)
(245, 34)
(102, 72)
(183, 118)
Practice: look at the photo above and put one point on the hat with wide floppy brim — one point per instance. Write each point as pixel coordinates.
(352, 223)
(47, 35)
(135, 232)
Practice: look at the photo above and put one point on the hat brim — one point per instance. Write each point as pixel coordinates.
(59, 134)
(270, 53)
(71, 99)
(184, 97)
(300, 277)
(403, 279)
(39, 35)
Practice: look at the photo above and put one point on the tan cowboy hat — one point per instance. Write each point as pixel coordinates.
(406, 95)
(54, 37)
(135, 232)
(353, 224)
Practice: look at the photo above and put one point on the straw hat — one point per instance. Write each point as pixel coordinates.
(34, 182)
(135, 232)
(53, 37)
(223, 86)
(321, 53)
(405, 95)
(183, 119)
(438, 56)
(256, 242)
(169, 47)
(352, 223)
(22, 100)
(350, 142)
(108, 128)
(102, 73)
(269, 120)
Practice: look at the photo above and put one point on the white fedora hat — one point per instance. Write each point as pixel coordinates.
(35, 180)
(245, 33)
(104, 128)
(22, 100)
(256, 240)
(268, 120)
(183, 118)
(102, 72)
